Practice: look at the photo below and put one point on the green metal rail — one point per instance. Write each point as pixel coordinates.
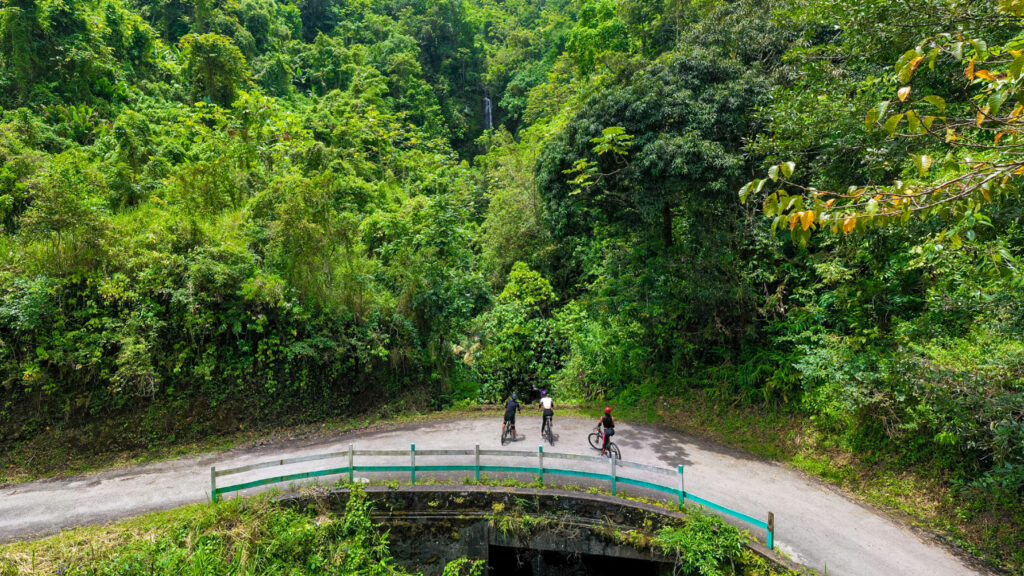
(615, 476)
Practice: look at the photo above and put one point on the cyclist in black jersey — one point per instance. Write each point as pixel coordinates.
(608, 423)
(511, 407)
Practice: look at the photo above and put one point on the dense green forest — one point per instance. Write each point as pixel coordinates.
(219, 213)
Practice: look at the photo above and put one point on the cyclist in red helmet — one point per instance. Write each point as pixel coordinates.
(608, 423)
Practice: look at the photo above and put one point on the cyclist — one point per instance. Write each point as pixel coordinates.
(548, 406)
(608, 423)
(511, 407)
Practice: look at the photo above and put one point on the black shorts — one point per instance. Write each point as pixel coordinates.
(511, 419)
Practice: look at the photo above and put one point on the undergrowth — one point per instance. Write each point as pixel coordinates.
(242, 537)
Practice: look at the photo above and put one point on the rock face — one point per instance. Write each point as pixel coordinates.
(537, 528)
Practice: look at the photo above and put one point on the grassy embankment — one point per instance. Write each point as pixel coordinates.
(249, 536)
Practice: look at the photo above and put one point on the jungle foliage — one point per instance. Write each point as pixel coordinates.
(215, 213)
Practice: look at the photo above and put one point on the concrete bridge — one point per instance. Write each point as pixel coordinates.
(515, 530)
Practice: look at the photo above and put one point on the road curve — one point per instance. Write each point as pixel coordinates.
(815, 525)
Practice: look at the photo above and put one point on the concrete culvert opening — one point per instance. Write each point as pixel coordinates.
(507, 561)
(516, 530)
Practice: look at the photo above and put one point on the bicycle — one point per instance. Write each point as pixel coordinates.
(596, 439)
(506, 434)
(547, 433)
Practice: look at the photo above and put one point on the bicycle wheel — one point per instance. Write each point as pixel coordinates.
(614, 451)
(506, 435)
(595, 440)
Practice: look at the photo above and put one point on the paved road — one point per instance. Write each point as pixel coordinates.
(814, 525)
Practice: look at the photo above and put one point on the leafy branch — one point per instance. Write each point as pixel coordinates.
(982, 139)
(613, 140)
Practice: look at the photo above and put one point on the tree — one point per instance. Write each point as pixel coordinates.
(318, 16)
(600, 31)
(964, 151)
(426, 247)
(513, 228)
(21, 38)
(528, 288)
(687, 113)
(309, 239)
(65, 210)
(520, 349)
(214, 67)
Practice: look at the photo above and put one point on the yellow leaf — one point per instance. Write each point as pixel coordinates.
(849, 224)
(1016, 111)
(986, 75)
(794, 219)
(982, 114)
(999, 137)
(969, 72)
(986, 194)
(915, 63)
(807, 219)
(903, 93)
(950, 134)
(828, 205)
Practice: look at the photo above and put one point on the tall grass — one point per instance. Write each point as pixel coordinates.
(241, 537)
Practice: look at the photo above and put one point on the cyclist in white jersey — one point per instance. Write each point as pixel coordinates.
(547, 405)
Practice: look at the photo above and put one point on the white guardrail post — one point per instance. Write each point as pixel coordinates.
(540, 462)
(613, 474)
(213, 483)
(682, 493)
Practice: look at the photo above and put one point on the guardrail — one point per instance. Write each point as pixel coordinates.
(615, 475)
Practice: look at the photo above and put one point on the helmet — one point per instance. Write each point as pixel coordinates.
(543, 392)
(607, 409)
(514, 396)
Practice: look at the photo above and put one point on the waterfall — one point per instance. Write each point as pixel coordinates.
(488, 125)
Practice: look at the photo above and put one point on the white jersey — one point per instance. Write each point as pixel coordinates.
(546, 402)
